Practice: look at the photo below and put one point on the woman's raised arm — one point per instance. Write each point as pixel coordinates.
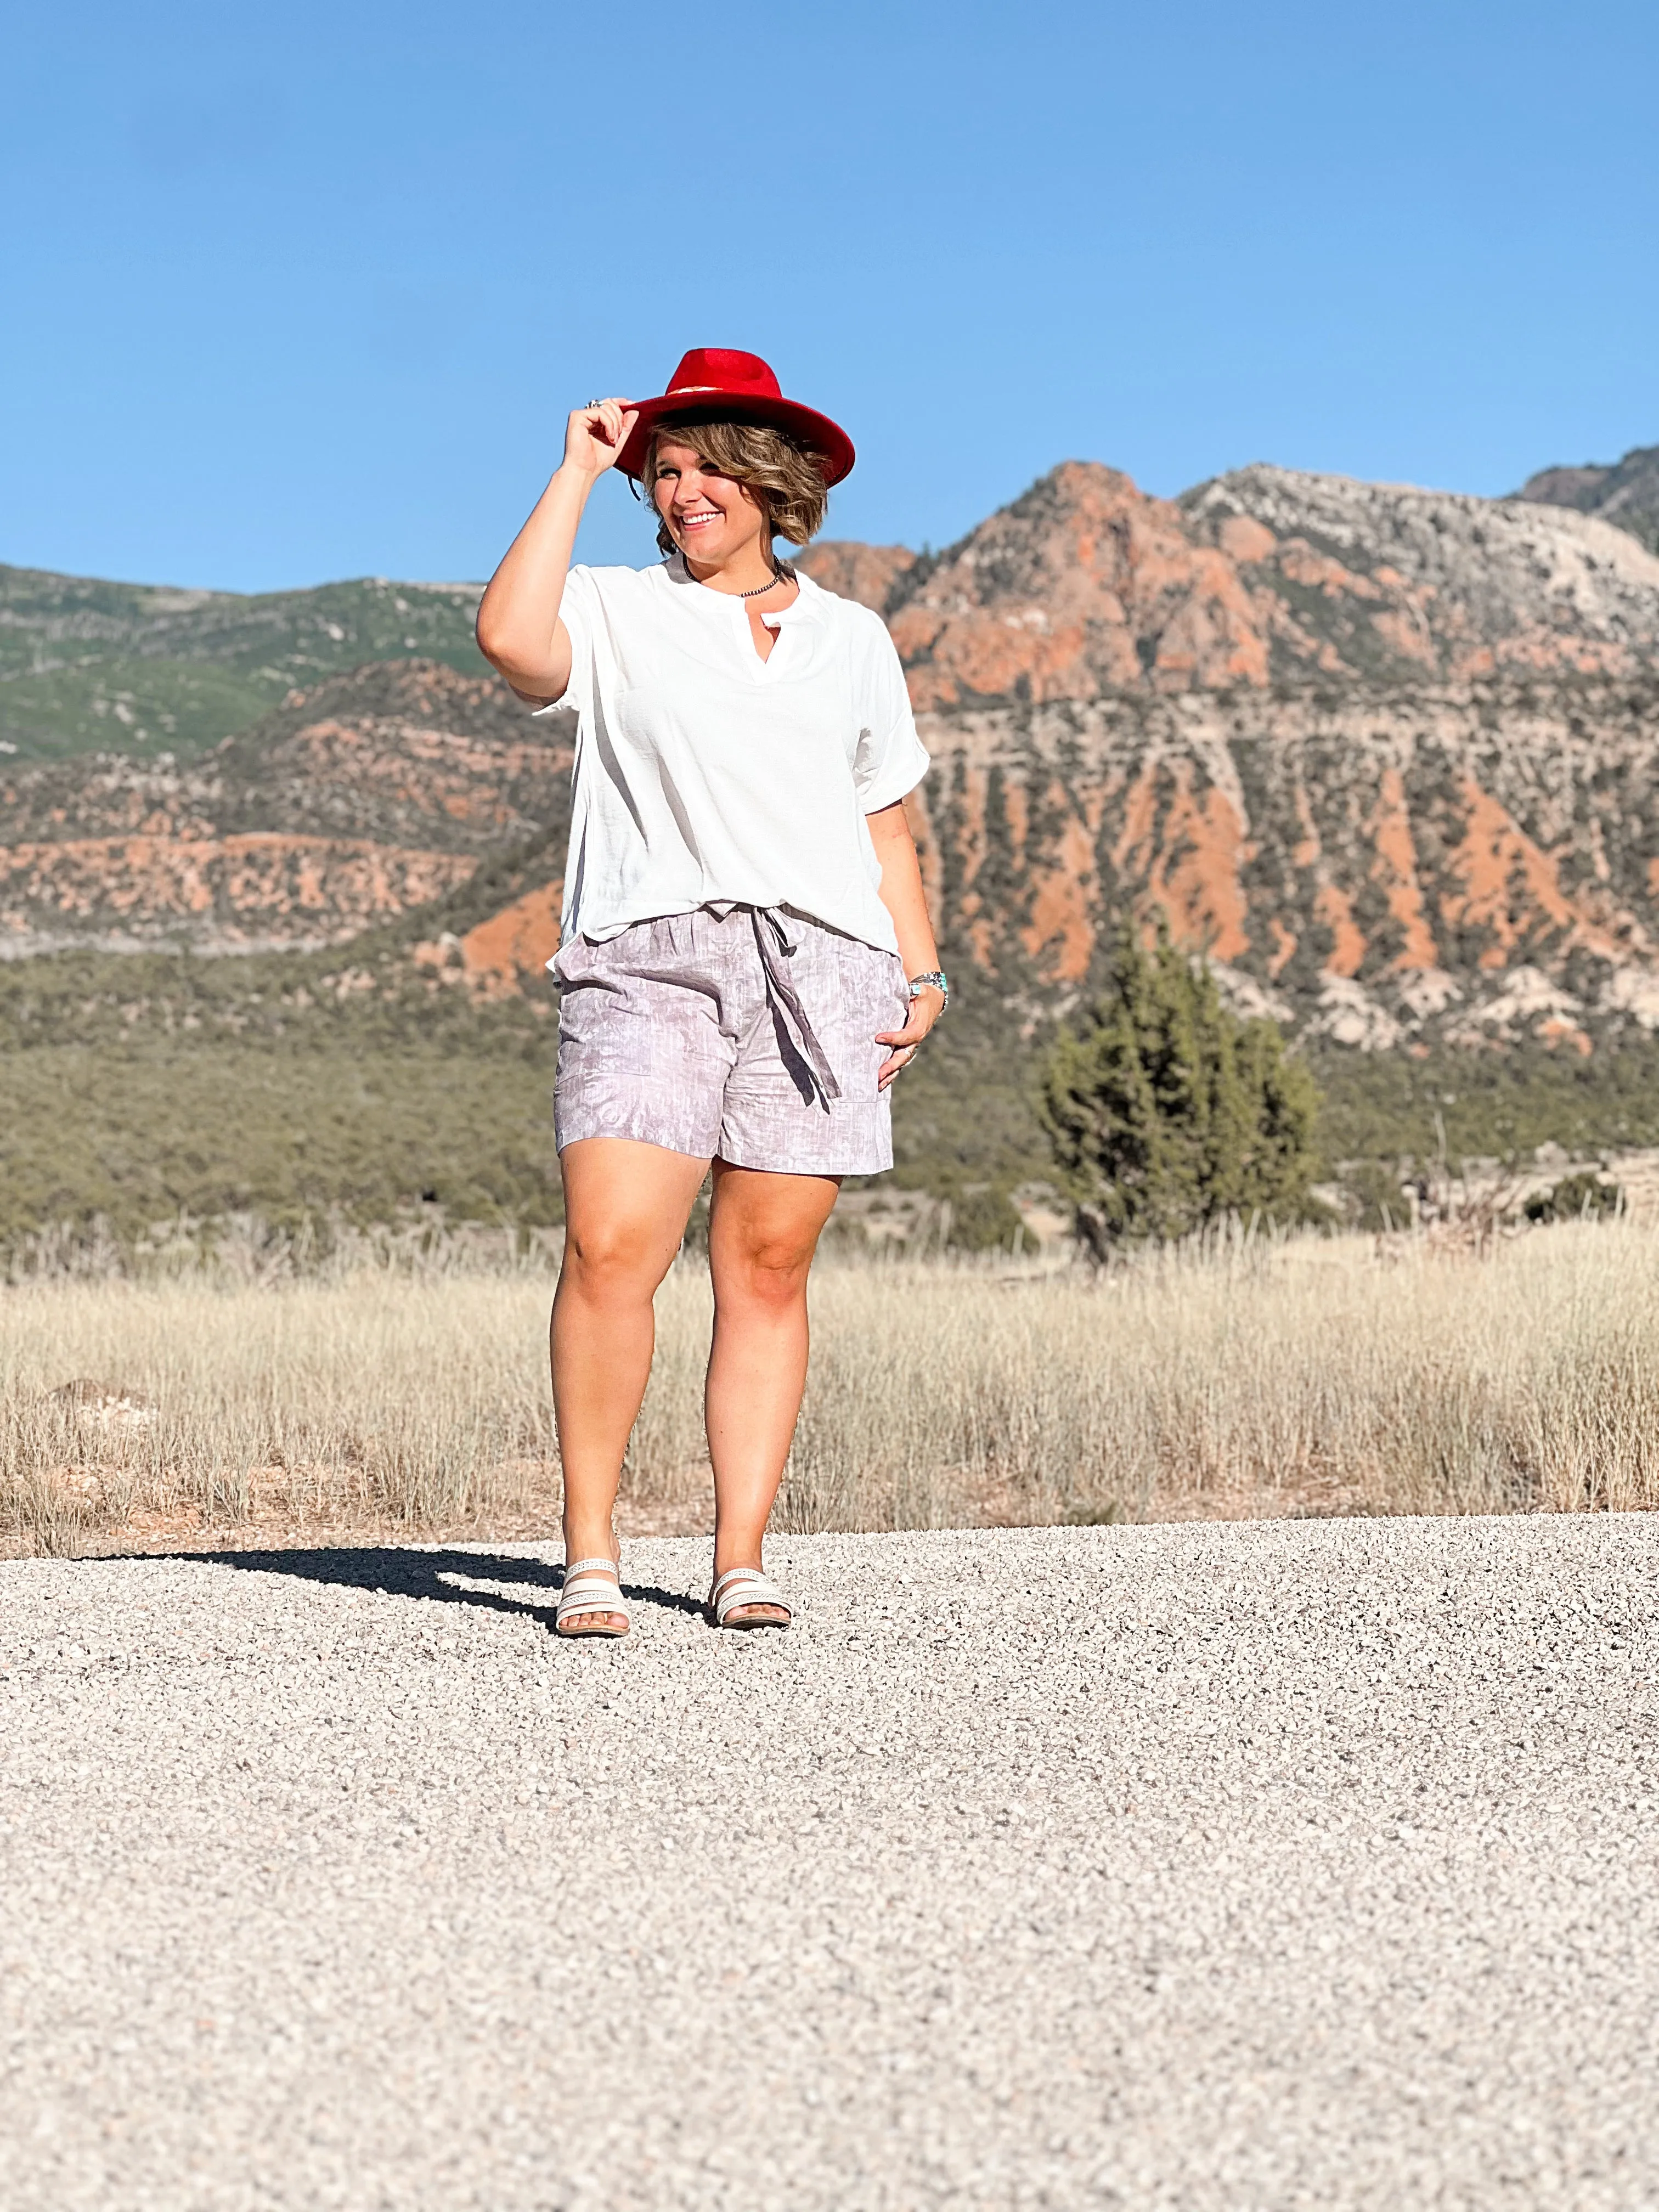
(519, 630)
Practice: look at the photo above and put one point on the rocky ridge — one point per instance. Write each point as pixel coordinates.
(1388, 755)
(360, 799)
(1625, 493)
(1085, 586)
(1468, 863)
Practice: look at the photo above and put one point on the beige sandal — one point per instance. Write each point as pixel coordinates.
(741, 1587)
(591, 1586)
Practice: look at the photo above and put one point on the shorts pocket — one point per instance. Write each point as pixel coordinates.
(899, 983)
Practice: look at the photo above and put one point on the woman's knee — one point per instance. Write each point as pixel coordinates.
(770, 1271)
(612, 1260)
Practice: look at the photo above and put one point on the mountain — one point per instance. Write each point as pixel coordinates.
(89, 666)
(1625, 493)
(866, 572)
(1469, 864)
(359, 799)
(1388, 755)
(1085, 586)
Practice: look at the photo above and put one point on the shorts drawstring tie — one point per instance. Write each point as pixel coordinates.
(772, 939)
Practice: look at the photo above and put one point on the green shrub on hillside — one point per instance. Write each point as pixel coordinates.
(1166, 1111)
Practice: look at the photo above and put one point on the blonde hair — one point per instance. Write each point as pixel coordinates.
(785, 480)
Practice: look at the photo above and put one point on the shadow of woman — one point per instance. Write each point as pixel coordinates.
(446, 1577)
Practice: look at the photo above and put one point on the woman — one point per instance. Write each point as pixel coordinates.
(743, 931)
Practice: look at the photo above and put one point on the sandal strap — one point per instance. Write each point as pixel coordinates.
(740, 1575)
(584, 1566)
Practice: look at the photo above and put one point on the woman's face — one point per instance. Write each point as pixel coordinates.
(708, 515)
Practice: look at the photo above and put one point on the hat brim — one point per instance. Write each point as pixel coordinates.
(822, 437)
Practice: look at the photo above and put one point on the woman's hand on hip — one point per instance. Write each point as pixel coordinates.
(595, 435)
(925, 1008)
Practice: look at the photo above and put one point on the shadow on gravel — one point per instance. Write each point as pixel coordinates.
(447, 1577)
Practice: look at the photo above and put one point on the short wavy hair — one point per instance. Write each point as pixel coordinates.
(783, 477)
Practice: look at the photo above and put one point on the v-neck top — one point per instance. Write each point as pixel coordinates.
(706, 775)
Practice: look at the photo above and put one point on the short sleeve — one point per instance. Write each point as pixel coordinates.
(579, 608)
(890, 759)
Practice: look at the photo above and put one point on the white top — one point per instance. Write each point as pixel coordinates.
(704, 774)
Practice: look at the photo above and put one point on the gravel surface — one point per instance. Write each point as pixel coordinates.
(1285, 1864)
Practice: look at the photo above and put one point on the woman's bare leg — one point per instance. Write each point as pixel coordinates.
(625, 1210)
(763, 1231)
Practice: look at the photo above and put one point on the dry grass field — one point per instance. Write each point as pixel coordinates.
(1247, 1377)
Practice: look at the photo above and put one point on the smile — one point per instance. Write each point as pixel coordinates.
(700, 519)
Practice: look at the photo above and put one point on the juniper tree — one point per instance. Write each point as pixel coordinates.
(1166, 1111)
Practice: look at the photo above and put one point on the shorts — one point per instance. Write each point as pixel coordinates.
(746, 1033)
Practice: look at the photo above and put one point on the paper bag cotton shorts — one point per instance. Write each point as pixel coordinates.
(746, 1033)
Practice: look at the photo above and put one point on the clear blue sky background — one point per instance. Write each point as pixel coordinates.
(305, 291)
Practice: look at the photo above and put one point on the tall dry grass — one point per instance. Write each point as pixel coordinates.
(1244, 1378)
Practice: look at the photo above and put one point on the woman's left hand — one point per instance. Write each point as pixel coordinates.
(925, 1010)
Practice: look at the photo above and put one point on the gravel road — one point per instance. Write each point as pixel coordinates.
(1291, 1864)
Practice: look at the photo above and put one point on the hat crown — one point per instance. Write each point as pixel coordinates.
(720, 369)
(719, 382)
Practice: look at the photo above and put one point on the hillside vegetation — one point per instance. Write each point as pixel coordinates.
(299, 1087)
(90, 667)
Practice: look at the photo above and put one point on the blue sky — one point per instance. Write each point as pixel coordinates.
(305, 292)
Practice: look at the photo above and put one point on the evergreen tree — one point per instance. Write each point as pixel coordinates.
(1166, 1111)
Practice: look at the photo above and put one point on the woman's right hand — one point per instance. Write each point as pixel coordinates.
(595, 435)
(519, 630)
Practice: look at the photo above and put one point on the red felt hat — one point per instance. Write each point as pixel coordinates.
(714, 380)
